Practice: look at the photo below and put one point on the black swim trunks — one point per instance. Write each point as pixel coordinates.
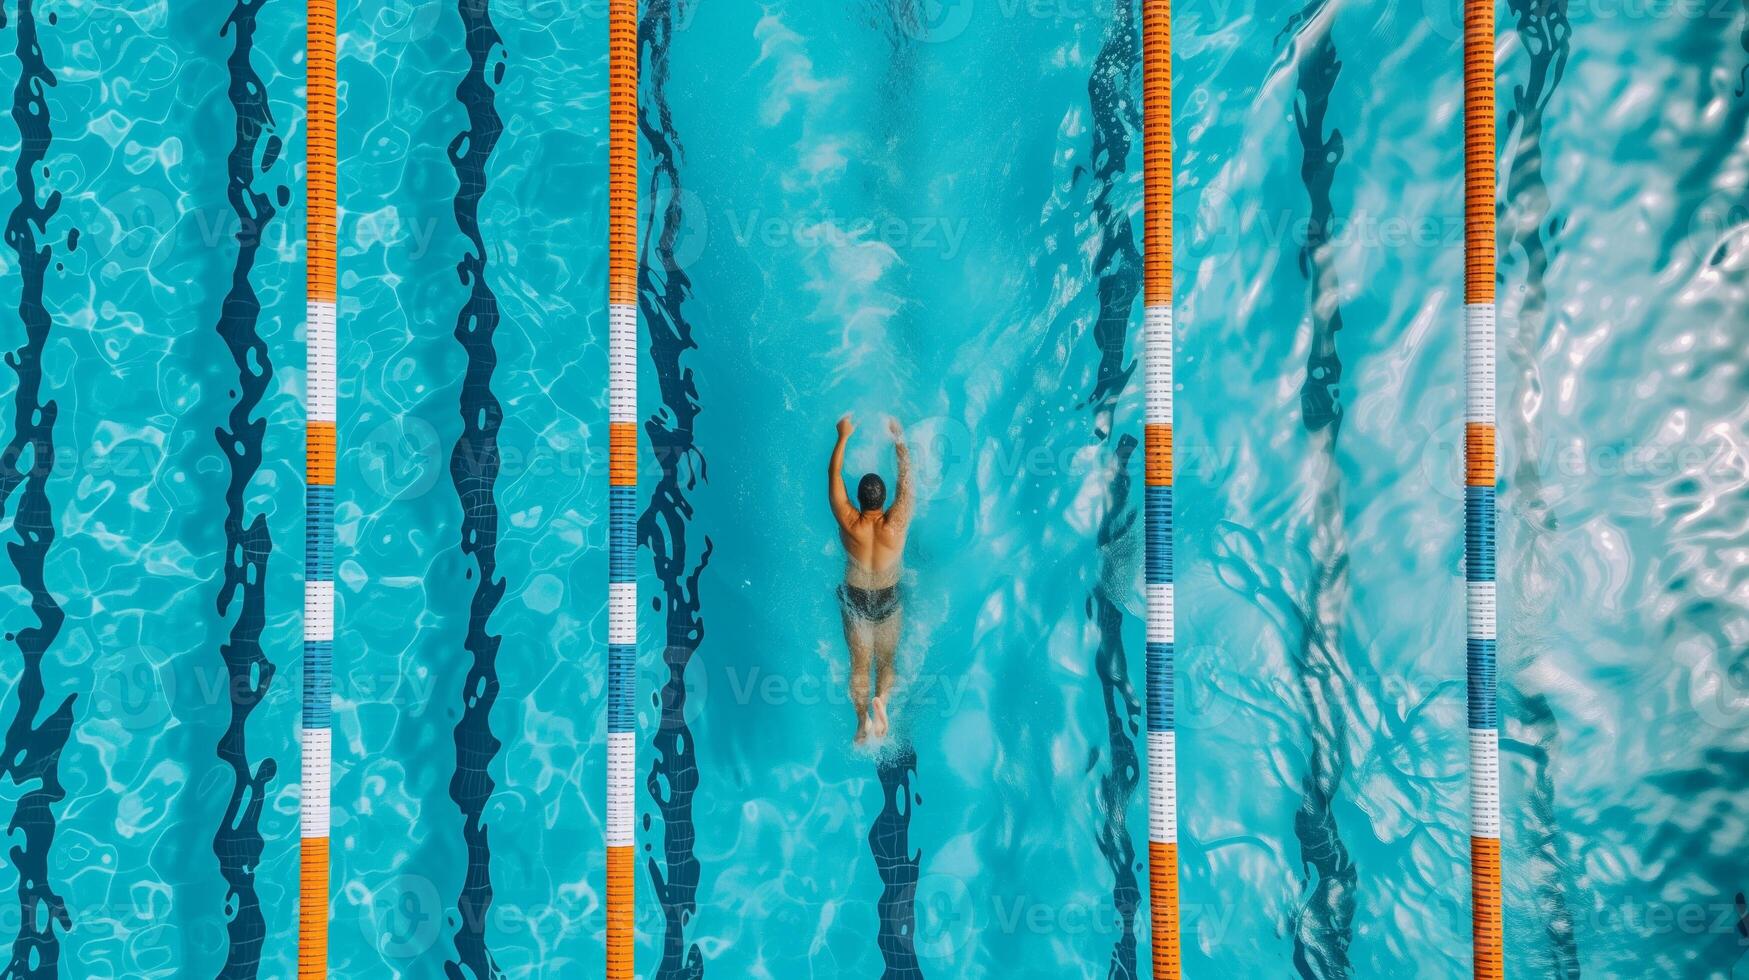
(869, 605)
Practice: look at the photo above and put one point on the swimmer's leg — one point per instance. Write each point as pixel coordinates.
(857, 638)
(886, 648)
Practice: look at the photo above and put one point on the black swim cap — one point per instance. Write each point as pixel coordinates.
(871, 493)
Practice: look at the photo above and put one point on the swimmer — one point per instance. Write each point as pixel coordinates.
(869, 599)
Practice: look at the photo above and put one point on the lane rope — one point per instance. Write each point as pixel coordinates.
(1479, 489)
(1157, 328)
(320, 453)
(622, 371)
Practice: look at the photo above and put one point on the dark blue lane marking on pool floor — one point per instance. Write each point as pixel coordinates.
(248, 545)
(473, 469)
(1545, 34)
(1111, 91)
(897, 863)
(662, 289)
(1122, 716)
(889, 840)
(1321, 393)
(1324, 929)
(1743, 75)
(33, 752)
(1546, 37)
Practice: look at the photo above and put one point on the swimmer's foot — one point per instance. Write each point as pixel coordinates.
(877, 710)
(861, 732)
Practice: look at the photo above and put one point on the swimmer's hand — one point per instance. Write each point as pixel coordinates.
(895, 428)
(845, 426)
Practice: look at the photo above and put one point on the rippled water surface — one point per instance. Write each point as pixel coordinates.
(930, 211)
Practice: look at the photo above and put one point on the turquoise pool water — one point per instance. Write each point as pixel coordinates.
(931, 211)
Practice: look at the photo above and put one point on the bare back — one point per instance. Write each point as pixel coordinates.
(874, 539)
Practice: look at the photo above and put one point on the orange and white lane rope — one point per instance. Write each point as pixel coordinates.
(1157, 327)
(321, 448)
(622, 379)
(1479, 469)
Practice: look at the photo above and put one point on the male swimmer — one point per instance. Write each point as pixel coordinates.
(874, 543)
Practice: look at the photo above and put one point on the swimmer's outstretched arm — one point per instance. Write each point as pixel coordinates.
(899, 514)
(835, 492)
